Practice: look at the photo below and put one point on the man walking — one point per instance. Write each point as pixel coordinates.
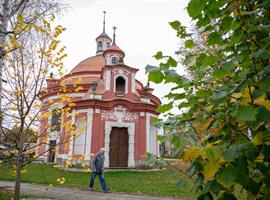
(97, 165)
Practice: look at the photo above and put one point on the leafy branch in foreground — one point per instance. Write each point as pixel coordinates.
(226, 96)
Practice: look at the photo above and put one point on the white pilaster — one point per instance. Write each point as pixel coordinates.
(133, 85)
(108, 80)
(89, 133)
(71, 140)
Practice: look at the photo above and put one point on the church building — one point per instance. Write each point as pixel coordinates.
(113, 107)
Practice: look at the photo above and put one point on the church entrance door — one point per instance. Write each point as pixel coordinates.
(119, 147)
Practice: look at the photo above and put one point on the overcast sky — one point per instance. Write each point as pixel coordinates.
(142, 30)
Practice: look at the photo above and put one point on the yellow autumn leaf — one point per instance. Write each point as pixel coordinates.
(80, 158)
(78, 89)
(263, 102)
(50, 185)
(250, 196)
(87, 170)
(210, 169)
(260, 158)
(61, 180)
(193, 153)
(257, 140)
(6, 153)
(20, 91)
(186, 155)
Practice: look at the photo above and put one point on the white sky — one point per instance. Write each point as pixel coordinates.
(142, 30)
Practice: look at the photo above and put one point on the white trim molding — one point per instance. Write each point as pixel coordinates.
(88, 133)
(71, 140)
(131, 132)
(133, 84)
(107, 74)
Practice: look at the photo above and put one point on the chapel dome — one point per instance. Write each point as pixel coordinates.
(91, 64)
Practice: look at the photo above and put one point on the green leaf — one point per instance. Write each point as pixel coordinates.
(176, 96)
(231, 154)
(165, 107)
(245, 113)
(215, 187)
(175, 24)
(214, 38)
(220, 95)
(213, 153)
(226, 23)
(225, 70)
(158, 55)
(156, 76)
(218, 73)
(209, 60)
(189, 44)
(263, 114)
(236, 150)
(171, 62)
(194, 8)
(227, 176)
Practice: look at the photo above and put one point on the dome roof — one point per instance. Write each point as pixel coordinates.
(95, 63)
(104, 35)
(114, 47)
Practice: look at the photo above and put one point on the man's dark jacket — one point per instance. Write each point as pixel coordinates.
(97, 163)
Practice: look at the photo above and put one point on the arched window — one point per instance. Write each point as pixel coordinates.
(120, 84)
(108, 44)
(114, 60)
(99, 46)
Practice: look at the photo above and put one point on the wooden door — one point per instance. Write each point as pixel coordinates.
(119, 147)
(52, 151)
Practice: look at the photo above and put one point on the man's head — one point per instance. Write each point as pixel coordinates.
(101, 150)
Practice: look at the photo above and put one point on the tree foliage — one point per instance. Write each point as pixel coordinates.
(227, 98)
(29, 48)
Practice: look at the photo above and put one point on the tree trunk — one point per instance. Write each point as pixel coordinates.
(3, 30)
(18, 178)
(19, 162)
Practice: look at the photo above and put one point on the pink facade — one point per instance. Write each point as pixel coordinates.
(111, 109)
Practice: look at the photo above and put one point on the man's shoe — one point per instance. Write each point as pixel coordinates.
(107, 189)
(91, 189)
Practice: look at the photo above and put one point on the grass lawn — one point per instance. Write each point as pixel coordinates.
(161, 183)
